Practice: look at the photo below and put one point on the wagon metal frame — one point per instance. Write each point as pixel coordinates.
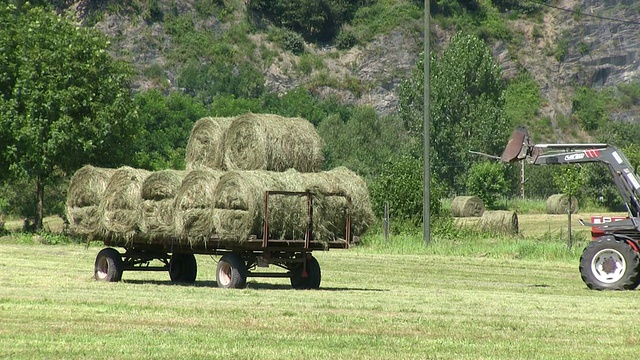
(238, 261)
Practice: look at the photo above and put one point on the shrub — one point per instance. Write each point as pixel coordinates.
(487, 181)
(346, 39)
(293, 42)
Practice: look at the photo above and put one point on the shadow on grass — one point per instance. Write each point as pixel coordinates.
(250, 285)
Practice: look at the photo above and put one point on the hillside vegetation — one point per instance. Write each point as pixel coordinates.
(354, 70)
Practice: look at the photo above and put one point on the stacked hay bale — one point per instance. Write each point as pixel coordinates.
(559, 204)
(205, 148)
(195, 217)
(158, 192)
(190, 207)
(86, 190)
(120, 206)
(272, 142)
(467, 206)
(241, 197)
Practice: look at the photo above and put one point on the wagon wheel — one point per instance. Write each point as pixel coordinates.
(108, 265)
(183, 268)
(231, 272)
(312, 278)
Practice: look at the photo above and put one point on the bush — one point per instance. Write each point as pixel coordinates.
(487, 181)
(293, 42)
(400, 183)
(346, 39)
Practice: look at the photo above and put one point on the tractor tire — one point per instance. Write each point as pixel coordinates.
(231, 272)
(313, 278)
(183, 268)
(108, 265)
(609, 264)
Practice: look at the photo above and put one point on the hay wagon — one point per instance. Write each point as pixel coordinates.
(239, 259)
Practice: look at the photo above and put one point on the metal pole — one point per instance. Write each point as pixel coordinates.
(426, 109)
(522, 180)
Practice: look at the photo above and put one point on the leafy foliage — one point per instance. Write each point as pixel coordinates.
(363, 142)
(315, 20)
(400, 183)
(167, 124)
(466, 107)
(64, 102)
(487, 181)
(588, 108)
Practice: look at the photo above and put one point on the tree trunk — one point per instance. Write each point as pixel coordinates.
(40, 210)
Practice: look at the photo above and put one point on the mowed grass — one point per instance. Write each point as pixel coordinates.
(370, 306)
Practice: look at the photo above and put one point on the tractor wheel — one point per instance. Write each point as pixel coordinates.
(183, 268)
(231, 272)
(108, 265)
(609, 264)
(312, 280)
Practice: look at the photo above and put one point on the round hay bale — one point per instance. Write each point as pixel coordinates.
(157, 221)
(161, 185)
(194, 218)
(499, 221)
(559, 204)
(467, 206)
(272, 142)
(205, 147)
(86, 189)
(244, 192)
(120, 206)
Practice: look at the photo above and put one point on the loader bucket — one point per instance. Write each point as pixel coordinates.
(517, 146)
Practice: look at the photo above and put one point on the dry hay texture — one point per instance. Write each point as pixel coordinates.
(86, 189)
(467, 206)
(499, 222)
(195, 217)
(205, 148)
(272, 142)
(241, 195)
(120, 206)
(162, 185)
(559, 204)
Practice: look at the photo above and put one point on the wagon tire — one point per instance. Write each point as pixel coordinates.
(610, 264)
(108, 266)
(231, 272)
(183, 268)
(313, 278)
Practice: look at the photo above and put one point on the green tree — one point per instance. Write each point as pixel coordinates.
(167, 124)
(64, 101)
(466, 107)
(487, 181)
(400, 183)
(363, 142)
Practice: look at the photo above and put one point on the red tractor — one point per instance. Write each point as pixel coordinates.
(612, 260)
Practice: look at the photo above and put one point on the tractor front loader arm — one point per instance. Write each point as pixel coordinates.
(521, 148)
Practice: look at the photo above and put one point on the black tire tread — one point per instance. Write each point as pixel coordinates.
(631, 278)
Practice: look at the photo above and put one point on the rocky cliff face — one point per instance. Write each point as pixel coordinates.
(562, 51)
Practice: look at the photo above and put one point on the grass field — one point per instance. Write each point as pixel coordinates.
(370, 306)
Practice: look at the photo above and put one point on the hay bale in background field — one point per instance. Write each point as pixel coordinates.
(194, 213)
(272, 142)
(86, 189)
(206, 143)
(559, 204)
(499, 221)
(120, 206)
(467, 206)
(161, 185)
